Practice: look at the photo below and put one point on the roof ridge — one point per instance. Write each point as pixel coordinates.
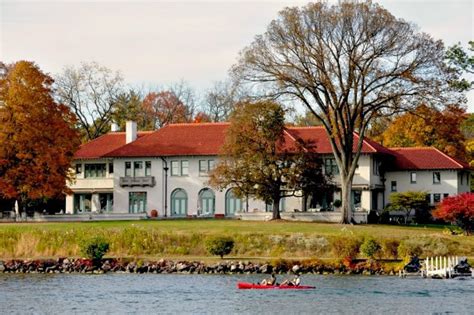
(450, 158)
(305, 127)
(197, 124)
(364, 140)
(410, 148)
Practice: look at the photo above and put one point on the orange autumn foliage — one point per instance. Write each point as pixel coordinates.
(37, 140)
(429, 127)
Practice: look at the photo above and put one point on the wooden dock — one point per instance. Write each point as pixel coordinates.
(442, 268)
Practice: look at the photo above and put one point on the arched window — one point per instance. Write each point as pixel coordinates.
(179, 203)
(207, 202)
(232, 203)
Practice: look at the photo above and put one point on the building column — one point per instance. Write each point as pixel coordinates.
(95, 203)
(70, 204)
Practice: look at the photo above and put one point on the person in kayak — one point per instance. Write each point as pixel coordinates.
(269, 281)
(296, 281)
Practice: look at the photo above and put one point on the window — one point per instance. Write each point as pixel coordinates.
(148, 168)
(376, 165)
(393, 186)
(111, 167)
(180, 168)
(106, 201)
(94, 170)
(128, 169)
(428, 198)
(179, 202)
(356, 198)
(137, 202)
(205, 166)
(436, 178)
(138, 169)
(232, 203)
(413, 177)
(78, 168)
(175, 168)
(82, 203)
(207, 201)
(330, 167)
(436, 198)
(184, 168)
(445, 196)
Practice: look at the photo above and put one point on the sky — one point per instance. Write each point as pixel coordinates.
(155, 43)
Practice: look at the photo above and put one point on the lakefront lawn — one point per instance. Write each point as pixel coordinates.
(253, 240)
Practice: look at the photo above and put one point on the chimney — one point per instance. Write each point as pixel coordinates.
(114, 127)
(131, 131)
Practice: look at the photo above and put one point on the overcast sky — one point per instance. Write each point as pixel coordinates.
(154, 43)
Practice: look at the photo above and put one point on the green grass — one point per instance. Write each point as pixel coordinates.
(186, 238)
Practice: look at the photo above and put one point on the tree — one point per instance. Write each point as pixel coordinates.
(164, 108)
(90, 91)
(461, 63)
(201, 118)
(345, 63)
(129, 106)
(37, 138)
(459, 210)
(425, 126)
(409, 201)
(220, 100)
(307, 119)
(258, 161)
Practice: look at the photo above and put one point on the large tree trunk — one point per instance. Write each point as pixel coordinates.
(346, 208)
(276, 208)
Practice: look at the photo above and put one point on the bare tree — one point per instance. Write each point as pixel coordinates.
(186, 95)
(345, 63)
(90, 91)
(219, 101)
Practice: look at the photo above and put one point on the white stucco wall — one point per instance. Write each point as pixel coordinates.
(424, 182)
(192, 184)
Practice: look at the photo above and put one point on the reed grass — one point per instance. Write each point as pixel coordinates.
(186, 238)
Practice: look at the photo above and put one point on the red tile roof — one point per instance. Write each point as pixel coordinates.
(99, 147)
(177, 139)
(317, 136)
(208, 138)
(424, 158)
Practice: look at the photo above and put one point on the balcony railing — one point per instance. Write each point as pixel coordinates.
(137, 181)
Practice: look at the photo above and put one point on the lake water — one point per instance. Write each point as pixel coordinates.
(217, 294)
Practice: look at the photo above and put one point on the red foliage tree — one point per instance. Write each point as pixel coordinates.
(457, 209)
(201, 118)
(37, 140)
(164, 108)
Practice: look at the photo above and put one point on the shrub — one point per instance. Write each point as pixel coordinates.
(370, 248)
(337, 203)
(220, 246)
(409, 248)
(390, 248)
(154, 213)
(459, 210)
(95, 248)
(343, 246)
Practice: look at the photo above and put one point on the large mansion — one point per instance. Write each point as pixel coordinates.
(167, 170)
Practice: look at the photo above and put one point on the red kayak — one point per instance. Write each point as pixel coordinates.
(248, 285)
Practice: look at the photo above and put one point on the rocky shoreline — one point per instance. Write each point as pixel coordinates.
(163, 266)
